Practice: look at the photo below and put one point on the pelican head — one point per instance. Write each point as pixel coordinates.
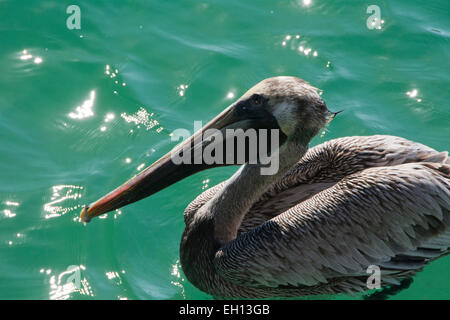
(288, 104)
(296, 106)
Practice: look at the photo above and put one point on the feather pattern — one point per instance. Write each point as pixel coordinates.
(342, 228)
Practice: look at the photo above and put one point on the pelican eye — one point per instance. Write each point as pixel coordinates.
(256, 99)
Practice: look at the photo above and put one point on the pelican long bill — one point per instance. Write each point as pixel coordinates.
(165, 172)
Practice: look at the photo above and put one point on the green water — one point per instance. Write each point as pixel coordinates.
(140, 69)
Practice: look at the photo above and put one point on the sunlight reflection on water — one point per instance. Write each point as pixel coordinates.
(144, 118)
(62, 193)
(86, 109)
(63, 285)
(176, 268)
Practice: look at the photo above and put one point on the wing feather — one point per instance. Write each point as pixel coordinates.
(395, 217)
(326, 164)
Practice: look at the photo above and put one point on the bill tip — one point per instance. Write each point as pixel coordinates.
(84, 216)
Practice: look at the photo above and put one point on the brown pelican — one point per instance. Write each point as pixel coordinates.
(316, 225)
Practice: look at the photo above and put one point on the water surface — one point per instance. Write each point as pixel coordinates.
(83, 110)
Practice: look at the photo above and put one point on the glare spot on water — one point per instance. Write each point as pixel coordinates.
(109, 117)
(8, 213)
(85, 110)
(114, 275)
(306, 3)
(69, 282)
(182, 89)
(177, 275)
(230, 95)
(25, 55)
(113, 74)
(299, 45)
(205, 184)
(12, 203)
(175, 270)
(60, 194)
(118, 213)
(128, 160)
(141, 117)
(149, 153)
(412, 93)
